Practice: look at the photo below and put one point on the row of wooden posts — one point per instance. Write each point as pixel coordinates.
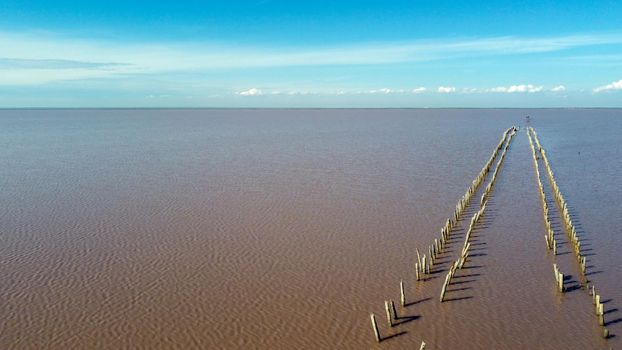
(484, 199)
(459, 264)
(424, 262)
(561, 202)
(512, 132)
(568, 224)
(423, 265)
(549, 237)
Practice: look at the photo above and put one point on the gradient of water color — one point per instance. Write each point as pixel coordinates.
(282, 229)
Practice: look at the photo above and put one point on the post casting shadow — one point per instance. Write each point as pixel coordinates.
(392, 336)
(460, 298)
(417, 302)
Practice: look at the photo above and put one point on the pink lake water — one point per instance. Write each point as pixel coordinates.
(285, 229)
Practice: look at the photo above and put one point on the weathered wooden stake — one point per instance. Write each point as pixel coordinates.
(431, 256)
(444, 289)
(559, 278)
(597, 304)
(463, 259)
(417, 271)
(387, 308)
(402, 295)
(374, 326)
(546, 238)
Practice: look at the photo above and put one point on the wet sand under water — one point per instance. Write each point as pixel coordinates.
(283, 229)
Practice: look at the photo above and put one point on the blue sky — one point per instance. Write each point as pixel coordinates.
(310, 54)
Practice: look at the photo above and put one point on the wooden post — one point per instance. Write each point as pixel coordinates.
(548, 244)
(559, 278)
(387, 308)
(374, 326)
(402, 295)
(597, 302)
(444, 289)
(431, 255)
(463, 259)
(417, 271)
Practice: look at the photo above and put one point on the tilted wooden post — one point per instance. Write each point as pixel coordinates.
(374, 326)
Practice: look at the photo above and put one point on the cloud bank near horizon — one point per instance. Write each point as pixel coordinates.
(64, 69)
(616, 85)
(511, 89)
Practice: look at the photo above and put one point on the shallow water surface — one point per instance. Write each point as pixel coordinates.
(285, 229)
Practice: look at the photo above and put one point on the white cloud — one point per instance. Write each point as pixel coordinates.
(518, 88)
(616, 85)
(381, 91)
(17, 77)
(299, 92)
(250, 92)
(284, 92)
(521, 88)
(470, 90)
(40, 58)
(340, 92)
(446, 89)
(559, 88)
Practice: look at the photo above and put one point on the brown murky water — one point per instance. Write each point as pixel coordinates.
(285, 229)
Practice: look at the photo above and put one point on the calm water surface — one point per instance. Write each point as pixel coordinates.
(284, 229)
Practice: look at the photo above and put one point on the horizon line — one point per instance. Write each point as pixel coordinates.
(289, 108)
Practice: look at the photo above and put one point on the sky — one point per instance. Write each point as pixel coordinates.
(310, 53)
